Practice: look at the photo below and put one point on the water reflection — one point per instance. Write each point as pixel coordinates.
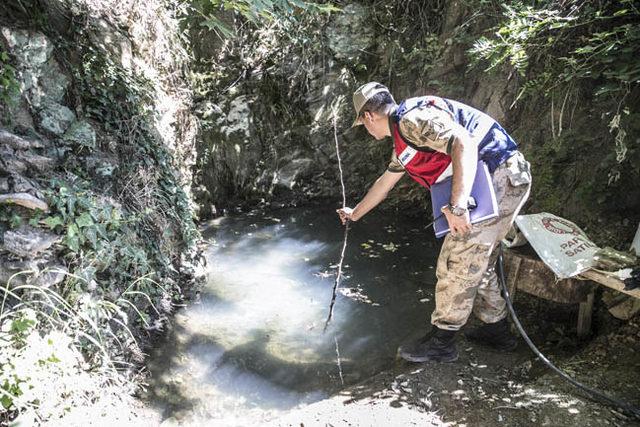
(254, 347)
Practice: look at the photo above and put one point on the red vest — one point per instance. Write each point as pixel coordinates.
(423, 164)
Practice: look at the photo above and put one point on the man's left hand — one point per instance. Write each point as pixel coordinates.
(459, 225)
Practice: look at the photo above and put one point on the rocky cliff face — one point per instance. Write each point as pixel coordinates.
(269, 133)
(269, 103)
(126, 143)
(96, 140)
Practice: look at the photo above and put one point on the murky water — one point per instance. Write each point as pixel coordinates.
(254, 346)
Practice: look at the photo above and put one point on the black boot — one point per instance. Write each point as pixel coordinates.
(439, 346)
(496, 335)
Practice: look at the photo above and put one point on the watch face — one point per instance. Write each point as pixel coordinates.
(457, 210)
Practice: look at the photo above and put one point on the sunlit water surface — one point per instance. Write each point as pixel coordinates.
(254, 347)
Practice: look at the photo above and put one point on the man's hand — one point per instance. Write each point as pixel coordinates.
(345, 214)
(459, 225)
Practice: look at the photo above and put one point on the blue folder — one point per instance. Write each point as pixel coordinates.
(483, 195)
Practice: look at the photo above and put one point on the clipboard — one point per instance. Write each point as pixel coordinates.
(482, 192)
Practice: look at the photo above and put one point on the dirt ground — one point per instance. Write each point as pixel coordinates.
(488, 388)
(482, 388)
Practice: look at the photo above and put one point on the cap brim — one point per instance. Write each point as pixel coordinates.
(356, 122)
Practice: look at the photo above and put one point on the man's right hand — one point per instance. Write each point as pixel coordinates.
(345, 214)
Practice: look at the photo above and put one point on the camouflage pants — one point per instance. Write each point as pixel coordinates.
(466, 274)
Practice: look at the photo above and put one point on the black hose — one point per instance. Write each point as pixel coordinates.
(591, 393)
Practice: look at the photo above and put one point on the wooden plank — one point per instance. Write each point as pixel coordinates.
(584, 316)
(512, 279)
(608, 281)
(534, 277)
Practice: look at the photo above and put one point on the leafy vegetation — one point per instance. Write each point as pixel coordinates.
(409, 34)
(591, 40)
(555, 45)
(126, 229)
(8, 83)
(206, 12)
(581, 58)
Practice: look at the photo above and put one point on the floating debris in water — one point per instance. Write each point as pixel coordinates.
(391, 247)
(323, 274)
(357, 294)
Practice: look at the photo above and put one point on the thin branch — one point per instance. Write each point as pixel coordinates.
(336, 284)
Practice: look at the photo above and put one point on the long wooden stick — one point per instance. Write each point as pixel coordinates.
(336, 284)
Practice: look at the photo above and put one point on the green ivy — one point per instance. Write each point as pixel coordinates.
(8, 83)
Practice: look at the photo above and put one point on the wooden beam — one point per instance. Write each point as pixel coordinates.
(512, 278)
(608, 281)
(584, 316)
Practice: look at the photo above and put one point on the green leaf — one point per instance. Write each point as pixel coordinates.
(53, 359)
(72, 230)
(85, 220)
(22, 325)
(91, 235)
(214, 24)
(52, 221)
(72, 239)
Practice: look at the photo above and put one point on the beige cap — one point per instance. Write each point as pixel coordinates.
(363, 94)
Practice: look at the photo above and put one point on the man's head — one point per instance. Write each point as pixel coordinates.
(373, 102)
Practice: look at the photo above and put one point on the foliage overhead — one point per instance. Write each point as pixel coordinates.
(556, 46)
(254, 11)
(594, 40)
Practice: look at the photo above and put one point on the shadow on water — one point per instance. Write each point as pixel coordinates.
(254, 347)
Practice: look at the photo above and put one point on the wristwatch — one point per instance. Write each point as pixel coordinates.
(455, 210)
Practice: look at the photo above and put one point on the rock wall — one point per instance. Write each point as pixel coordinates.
(50, 127)
(97, 144)
(279, 147)
(26, 160)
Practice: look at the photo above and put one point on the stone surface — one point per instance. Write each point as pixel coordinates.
(36, 272)
(288, 174)
(55, 118)
(148, 43)
(28, 241)
(102, 165)
(9, 163)
(50, 275)
(16, 113)
(238, 119)
(42, 80)
(14, 141)
(24, 199)
(81, 133)
(30, 50)
(10, 272)
(38, 162)
(20, 184)
(52, 84)
(351, 32)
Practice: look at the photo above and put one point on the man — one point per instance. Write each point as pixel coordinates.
(435, 138)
